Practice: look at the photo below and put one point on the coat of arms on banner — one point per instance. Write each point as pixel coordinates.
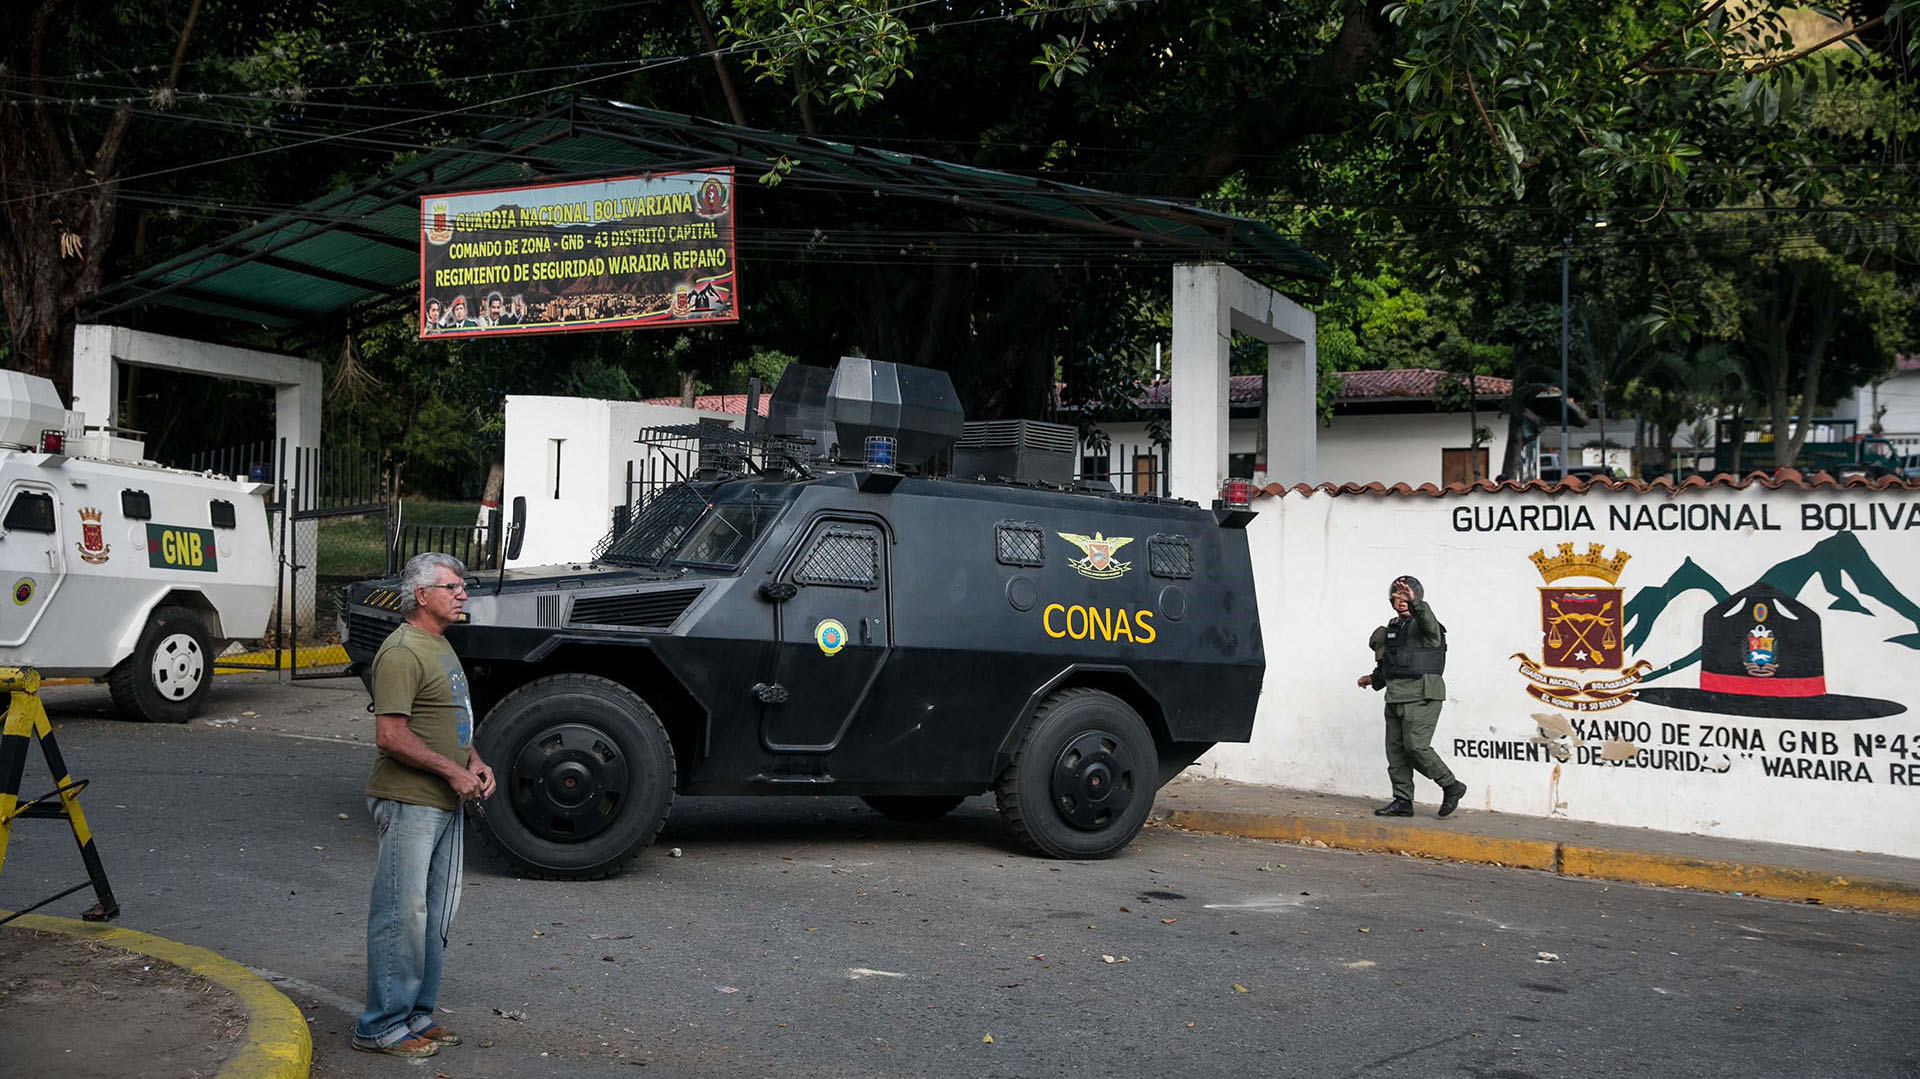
(1581, 628)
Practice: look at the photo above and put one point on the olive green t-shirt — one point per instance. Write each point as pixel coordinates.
(417, 675)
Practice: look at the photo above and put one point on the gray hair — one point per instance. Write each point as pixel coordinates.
(419, 573)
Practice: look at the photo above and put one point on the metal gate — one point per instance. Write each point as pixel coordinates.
(339, 529)
(330, 515)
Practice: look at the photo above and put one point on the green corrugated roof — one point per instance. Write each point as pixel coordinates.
(360, 248)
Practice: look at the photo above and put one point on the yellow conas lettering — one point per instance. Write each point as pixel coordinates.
(1046, 620)
(1098, 623)
(169, 547)
(193, 549)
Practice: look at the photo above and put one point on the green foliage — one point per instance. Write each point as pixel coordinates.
(845, 53)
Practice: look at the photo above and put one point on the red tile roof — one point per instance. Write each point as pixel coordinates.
(1774, 481)
(732, 404)
(1411, 383)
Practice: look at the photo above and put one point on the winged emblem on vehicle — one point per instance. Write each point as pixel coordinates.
(1099, 550)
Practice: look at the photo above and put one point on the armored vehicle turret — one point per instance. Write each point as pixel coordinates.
(784, 620)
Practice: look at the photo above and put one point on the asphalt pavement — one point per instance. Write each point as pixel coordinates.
(811, 937)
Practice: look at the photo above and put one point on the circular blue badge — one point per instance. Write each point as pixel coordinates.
(830, 635)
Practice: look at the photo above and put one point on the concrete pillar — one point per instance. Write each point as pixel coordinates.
(1198, 457)
(1293, 418)
(1211, 302)
(98, 352)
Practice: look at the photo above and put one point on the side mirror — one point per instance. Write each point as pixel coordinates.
(517, 530)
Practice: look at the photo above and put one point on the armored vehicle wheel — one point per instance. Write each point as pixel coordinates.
(1083, 779)
(167, 677)
(913, 807)
(585, 777)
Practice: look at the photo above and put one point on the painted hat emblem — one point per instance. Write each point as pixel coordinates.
(1761, 656)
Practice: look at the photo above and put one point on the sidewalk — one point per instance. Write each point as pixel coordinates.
(1570, 848)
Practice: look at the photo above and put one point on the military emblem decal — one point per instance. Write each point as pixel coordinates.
(1762, 652)
(1581, 627)
(93, 542)
(830, 635)
(23, 591)
(1099, 550)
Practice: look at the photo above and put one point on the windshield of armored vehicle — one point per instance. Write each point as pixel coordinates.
(656, 531)
(725, 535)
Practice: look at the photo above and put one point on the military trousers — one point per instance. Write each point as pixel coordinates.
(1410, 746)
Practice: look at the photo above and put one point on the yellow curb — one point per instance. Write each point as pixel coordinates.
(1770, 881)
(332, 655)
(1365, 835)
(1564, 859)
(278, 1045)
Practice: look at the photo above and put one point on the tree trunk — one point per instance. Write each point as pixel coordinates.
(58, 214)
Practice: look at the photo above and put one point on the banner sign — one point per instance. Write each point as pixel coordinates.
(632, 251)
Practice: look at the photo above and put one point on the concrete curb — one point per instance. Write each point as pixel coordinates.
(1564, 859)
(278, 1045)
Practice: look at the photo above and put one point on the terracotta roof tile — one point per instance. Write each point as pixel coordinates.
(1785, 478)
(731, 404)
(1413, 383)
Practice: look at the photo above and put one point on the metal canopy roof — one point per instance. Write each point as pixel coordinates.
(359, 249)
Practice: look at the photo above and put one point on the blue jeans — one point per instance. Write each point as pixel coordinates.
(416, 890)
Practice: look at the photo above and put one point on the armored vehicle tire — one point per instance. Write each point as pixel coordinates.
(1083, 780)
(167, 677)
(913, 807)
(584, 775)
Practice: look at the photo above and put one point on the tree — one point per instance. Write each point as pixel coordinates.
(59, 178)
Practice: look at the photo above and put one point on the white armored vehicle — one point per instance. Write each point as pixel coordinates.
(117, 567)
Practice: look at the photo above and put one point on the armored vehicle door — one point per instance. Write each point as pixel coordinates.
(30, 557)
(833, 636)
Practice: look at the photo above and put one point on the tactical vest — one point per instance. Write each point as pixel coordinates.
(1405, 661)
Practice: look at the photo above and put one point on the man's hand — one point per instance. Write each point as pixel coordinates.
(1365, 682)
(484, 774)
(466, 785)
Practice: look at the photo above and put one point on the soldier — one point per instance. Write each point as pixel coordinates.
(1409, 654)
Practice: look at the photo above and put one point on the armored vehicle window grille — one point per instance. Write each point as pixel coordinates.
(842, 556)
(1170, 556)
(222, 513)
(1018, 543)
(656, 531)
(30, 512)
(365, 629)
(548, 610)
(136, 505)
(651, 610)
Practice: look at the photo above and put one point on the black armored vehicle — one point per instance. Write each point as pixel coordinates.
(785, 620)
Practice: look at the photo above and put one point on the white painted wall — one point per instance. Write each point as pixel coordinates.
(596, 445)
(1358, 449)
(1322, 563)
(1899, 395)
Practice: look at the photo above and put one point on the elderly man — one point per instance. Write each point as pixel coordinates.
(427, 767)
(1410, 653)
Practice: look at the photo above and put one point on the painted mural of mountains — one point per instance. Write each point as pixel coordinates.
(1835, 560)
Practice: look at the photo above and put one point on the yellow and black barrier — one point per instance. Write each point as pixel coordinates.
(27, 720)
